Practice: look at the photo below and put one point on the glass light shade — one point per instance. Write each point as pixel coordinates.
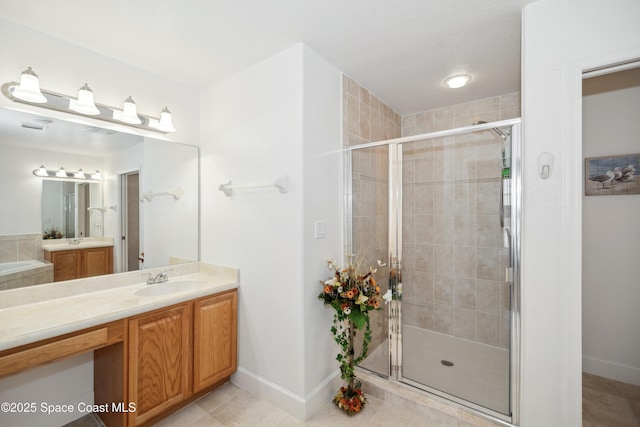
(166, 124)
(129, 113)
(80, 174)
(85, 104)
(41, 171)
(61, 173)
(29, 88)
(96, 175)
(455, 82)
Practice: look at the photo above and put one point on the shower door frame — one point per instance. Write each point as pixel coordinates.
(395, 251)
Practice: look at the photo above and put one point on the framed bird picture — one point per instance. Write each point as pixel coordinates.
(612, 175)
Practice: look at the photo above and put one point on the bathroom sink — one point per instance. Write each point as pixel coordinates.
(170, 287)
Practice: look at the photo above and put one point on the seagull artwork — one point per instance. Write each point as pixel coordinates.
(605, 178)
(626, 174)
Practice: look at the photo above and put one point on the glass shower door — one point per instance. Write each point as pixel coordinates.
(454, 251)
(367, 201)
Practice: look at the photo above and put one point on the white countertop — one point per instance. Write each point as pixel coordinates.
(33, 321)
(64, 245)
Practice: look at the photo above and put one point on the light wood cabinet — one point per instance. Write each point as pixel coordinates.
(159, 361)
(214, 339)
(80, 262)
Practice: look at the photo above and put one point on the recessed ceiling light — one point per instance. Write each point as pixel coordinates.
(457, 81)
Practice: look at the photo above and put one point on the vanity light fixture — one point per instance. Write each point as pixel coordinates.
(29, 88)
(85, 103)
(28, 91)
(129, 113)
(42, 171)
(166, 124)
(457, 81)
(64, 174)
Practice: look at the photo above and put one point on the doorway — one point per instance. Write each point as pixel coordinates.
(610, 357)
(132, 256)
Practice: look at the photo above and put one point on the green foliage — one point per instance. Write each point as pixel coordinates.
(352, 295)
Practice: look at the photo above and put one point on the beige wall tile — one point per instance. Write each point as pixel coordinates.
(8, 250)
(443, 319)
(465, 323)
(443, 290)
(488, 296)
(488, 329)
(464, 292)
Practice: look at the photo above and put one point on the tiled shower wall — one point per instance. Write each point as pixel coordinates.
(453, 253)
(367, 119)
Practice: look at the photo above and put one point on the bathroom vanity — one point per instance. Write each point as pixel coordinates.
(70, 262)
(156, 347)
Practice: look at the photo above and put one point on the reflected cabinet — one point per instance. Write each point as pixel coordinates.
(78, 263)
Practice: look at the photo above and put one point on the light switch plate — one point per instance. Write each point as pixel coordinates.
(319, 230)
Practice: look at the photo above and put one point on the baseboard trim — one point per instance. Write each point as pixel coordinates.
(301, 407)
(611, 370)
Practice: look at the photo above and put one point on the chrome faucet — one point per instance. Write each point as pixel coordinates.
(74, 241)
(161, 277)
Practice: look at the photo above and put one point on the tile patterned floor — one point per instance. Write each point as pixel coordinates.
(606, 403)
(609, 403)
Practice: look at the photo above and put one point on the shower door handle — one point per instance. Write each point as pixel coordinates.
(508, 274)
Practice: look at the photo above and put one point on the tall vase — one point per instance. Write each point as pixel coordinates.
(350, 398)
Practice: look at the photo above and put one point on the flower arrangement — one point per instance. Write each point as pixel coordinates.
(52, 233)
(352, 294)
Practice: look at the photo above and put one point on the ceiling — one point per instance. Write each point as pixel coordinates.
(401, 51)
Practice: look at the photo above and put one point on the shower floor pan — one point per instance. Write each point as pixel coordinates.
(475, 372)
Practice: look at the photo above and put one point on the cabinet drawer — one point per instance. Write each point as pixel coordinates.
(60, 348)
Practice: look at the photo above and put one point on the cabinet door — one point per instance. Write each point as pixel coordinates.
(67, 265)
(97, 261)
(215, 339)
(159, 362)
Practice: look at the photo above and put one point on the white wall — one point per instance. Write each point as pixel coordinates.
(560, 38)
(322, 117)
(261, 124)
(611, 236)
(169, 167)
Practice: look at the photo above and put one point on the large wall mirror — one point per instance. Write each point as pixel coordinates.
(146, 200)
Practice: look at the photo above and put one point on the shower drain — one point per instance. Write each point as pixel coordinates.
(446, 363)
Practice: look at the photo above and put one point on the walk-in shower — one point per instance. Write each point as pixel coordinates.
(443, 209)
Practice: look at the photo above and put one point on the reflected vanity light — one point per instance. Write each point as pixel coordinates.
(28, 91)
(67, 175)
